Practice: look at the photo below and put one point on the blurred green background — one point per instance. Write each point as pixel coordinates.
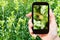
(13, 20)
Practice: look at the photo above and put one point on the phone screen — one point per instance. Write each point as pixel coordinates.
(40, 17)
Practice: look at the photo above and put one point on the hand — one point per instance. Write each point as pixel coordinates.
(52, 27)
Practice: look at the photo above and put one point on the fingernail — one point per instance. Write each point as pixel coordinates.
(29, 15)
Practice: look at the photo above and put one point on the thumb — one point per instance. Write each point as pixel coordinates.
(52, 25)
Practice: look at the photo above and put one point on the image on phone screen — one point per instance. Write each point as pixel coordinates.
(40, 17)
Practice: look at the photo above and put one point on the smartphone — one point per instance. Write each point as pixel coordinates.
(40, 17)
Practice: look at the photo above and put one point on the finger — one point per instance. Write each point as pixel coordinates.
(31, 32)
(30, 28)
(52, 20)
(42, 35)
(30, 22)
(51, 16)
(52, 25)
(29, 15)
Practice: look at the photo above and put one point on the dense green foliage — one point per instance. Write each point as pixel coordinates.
(14, 23)
(40, 15)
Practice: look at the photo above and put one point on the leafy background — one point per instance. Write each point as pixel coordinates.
(14, 23)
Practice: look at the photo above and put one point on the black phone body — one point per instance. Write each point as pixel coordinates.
(40, 17)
